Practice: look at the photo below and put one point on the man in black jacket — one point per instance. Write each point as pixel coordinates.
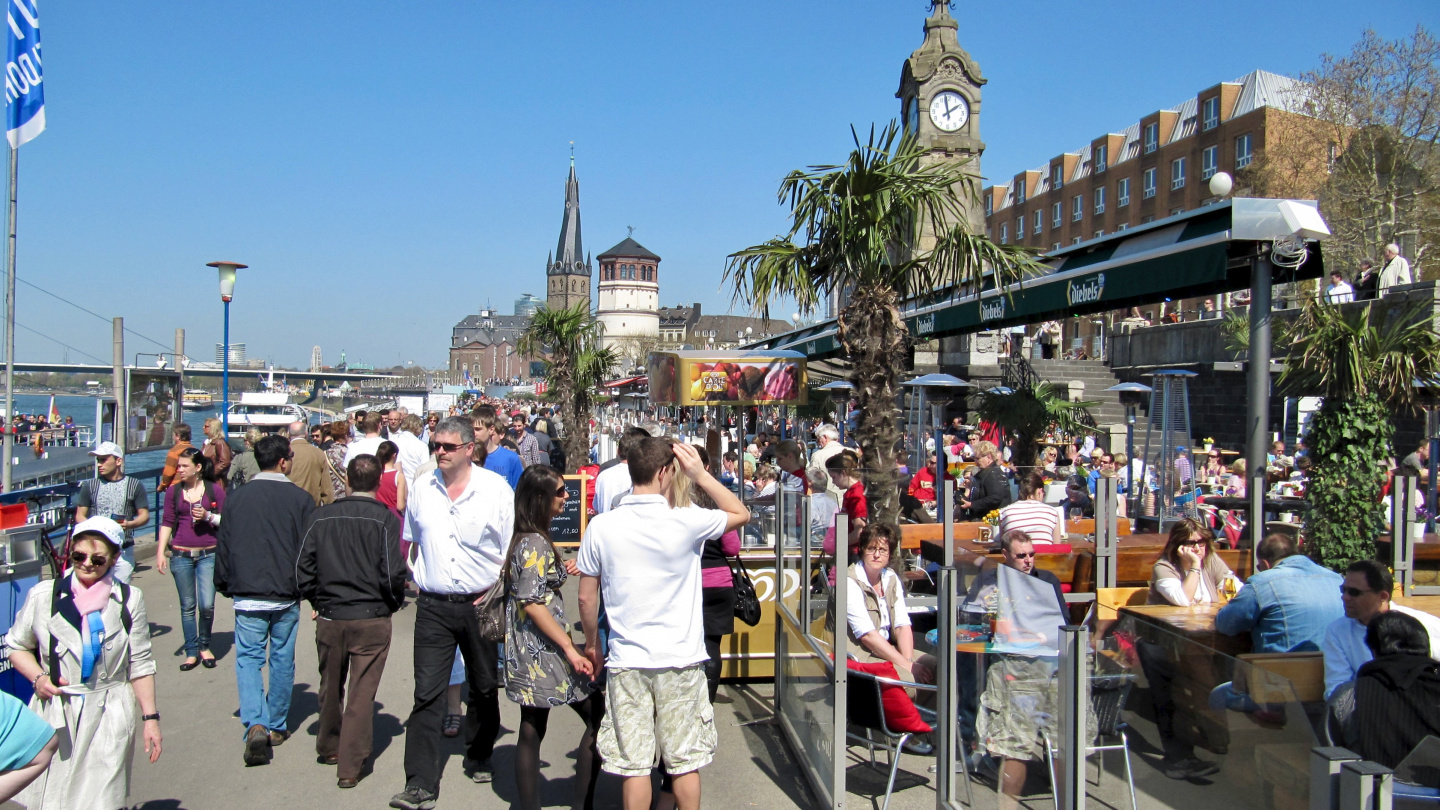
(353, 574)
(255, 553)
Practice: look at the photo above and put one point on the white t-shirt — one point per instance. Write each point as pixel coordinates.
(1036, 518)
(360, 447)
(413, 453)
(647, 556)
(609, 484)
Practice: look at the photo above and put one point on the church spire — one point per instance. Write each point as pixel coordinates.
(569, 253)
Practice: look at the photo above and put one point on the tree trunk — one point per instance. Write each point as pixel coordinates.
(874, 335)
(575, 440)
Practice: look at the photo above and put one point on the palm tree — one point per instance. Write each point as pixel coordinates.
(569, 338)
(1364, 361)
(1027, 413)
(878, 230)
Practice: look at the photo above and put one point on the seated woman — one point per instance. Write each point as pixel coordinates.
(1189, 572)
(875, 608)
(1397, 694)
(1235, 485)
(1040, 521)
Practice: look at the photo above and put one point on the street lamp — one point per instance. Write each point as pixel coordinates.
(227, 291)
(1131, 395)
(938, 383)
(840, 394)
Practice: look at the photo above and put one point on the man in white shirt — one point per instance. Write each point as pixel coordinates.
(828, 439)
(1339, 291)
(1365, 595)
(460, 519)
(413, 452)
(369, 442)
(1396, 270)
(644, 557)
(612, 482)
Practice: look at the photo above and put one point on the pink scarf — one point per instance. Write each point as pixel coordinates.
(91, 599)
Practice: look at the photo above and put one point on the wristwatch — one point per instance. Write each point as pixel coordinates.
(155, 717)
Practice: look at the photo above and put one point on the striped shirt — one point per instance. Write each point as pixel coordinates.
(1036, 518)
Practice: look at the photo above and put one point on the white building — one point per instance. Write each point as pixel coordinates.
(316, 363)
(237, 354)
(628, 303)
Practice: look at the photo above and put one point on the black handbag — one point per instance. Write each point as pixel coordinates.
(747, 603)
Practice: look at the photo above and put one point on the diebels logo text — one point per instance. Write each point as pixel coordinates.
(1087, 291)
(925, 324)
(993, 310)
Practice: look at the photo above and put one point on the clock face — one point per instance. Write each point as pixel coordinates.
(949, 110)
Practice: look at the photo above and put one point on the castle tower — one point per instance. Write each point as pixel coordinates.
(567, 270)
(629, 300)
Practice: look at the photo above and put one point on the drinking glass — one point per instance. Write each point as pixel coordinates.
(1076, 513)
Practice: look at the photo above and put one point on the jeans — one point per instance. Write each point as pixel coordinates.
(255, 631)
(125, 566)
(195, 580)
(440, 627)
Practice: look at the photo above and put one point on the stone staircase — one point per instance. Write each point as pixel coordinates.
(1095, 376)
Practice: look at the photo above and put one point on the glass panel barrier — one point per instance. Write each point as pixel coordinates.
(1207, 722)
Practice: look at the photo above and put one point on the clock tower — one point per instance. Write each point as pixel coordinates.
(940, 102)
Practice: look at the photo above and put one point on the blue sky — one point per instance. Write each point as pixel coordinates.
(387, 168)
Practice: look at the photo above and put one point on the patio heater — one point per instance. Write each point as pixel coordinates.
(1167, 440)
(840, 394)
(1131, 394)
(1428, 394)
(940, 383)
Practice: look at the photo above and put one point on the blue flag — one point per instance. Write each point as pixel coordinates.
(24, 95)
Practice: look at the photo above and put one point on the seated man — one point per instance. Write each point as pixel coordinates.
(1285, 607)
(1397, 694)
(922, 484)
(1365, 595)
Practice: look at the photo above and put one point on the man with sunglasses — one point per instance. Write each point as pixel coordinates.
(1365, 594)
(460, 518)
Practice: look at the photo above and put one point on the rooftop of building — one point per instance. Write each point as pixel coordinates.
(1258, 89)
(628, 249)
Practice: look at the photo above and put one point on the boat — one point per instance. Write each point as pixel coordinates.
(198, 401)
(268, 412)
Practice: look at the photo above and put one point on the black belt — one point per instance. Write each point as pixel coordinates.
(192, 553)
(451, 597)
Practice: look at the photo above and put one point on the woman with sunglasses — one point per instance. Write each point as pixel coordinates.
(93, 636)
(189, 523)
(1189, 572)
(542, 666)
(1214, 467)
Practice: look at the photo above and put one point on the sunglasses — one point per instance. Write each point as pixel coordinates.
(448, 447)
(1354, 593)
(562, 492)
(97, 560)
(1024, 556)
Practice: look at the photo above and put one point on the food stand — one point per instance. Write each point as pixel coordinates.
(741, 379)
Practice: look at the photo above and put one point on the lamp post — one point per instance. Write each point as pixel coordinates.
(1131, 395)
(840, 395)
(227, 291)
(938, 383)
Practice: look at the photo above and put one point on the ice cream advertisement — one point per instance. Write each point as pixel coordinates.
(750, 378)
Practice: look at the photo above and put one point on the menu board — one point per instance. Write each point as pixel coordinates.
(569, 526)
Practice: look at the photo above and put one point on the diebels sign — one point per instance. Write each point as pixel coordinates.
(1086, 291)
(992, 310)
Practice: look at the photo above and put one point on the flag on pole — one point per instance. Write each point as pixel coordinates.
(53, 415)
(24, 95)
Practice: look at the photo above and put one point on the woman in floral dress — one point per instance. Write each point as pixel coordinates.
(543, 668)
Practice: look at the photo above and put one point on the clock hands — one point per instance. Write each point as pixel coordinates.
(947, 106)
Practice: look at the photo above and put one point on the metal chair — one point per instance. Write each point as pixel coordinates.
(864, 710)
(1108, 694)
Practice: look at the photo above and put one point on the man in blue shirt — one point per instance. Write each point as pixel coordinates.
(489, 430)
(1285, 607)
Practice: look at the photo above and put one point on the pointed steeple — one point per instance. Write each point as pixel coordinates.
(568, 251)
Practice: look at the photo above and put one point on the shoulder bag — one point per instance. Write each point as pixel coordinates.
(747, 603)
(490, 610)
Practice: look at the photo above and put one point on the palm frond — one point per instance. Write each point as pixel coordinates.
(1351, 352)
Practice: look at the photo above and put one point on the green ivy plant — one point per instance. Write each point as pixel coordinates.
(1349, 442)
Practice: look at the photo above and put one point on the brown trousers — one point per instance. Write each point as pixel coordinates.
(356, 649)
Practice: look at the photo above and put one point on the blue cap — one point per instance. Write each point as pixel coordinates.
(1180, 448)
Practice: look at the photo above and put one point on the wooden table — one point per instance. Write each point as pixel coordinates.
(1195, 623)
(1425, 604)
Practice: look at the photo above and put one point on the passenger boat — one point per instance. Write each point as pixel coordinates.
(269, 412)
(197, 400)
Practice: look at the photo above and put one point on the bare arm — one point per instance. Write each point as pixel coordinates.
(725, 500)
(402, 491)
(879, 647)
(25, 663)
(145, 693)
(162, 562)
(590, 619)
(540, 615)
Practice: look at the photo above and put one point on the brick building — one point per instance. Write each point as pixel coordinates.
(484, 345)
(1158, 166)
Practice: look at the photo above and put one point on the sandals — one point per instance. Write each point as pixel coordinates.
(451, 728)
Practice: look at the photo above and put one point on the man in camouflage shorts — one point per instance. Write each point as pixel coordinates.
(1017, 711)
(643, 556)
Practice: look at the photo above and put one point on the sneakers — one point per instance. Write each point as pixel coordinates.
(1189, 768)
(413, 798)
(479, 772)
(257, 746)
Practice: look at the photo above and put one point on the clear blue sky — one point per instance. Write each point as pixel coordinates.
(387, 168)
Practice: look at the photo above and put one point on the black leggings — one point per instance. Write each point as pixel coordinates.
(533, 722)
(712, 666)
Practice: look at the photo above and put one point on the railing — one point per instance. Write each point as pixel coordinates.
(1017, 373)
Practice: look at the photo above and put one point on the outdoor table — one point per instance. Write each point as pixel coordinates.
(1233, 503)
(1425, 604)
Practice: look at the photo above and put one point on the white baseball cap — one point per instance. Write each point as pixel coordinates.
(107, 449)
(102, 526)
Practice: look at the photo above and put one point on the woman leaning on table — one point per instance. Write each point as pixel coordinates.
(97, 679)
(1189, 572)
